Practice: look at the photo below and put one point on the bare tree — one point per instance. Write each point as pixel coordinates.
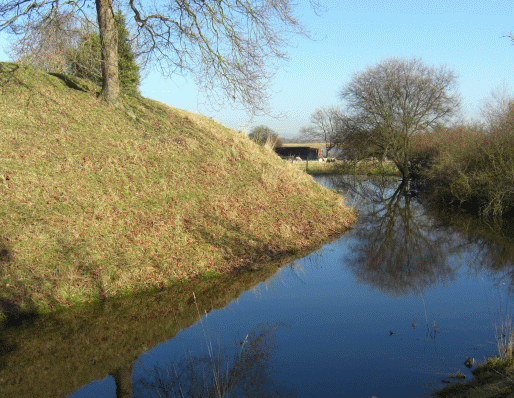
(397, 99)
(495, 109)
(231, 48)
(352, 139)
(46, 43)
(326, 123)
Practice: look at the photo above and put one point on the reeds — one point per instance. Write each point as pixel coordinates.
(504, 335)
(363, 167)
(239, 369)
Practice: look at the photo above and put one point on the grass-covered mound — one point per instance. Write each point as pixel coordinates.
(99, 201)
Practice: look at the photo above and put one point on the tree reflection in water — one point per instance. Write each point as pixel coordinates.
(241, 370)
(398, 248)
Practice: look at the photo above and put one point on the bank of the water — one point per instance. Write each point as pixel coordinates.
(492, 379)
(341, 167)
(345, 314)
(100, 202)
(340, 317)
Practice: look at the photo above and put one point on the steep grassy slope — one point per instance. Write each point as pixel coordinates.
(97, 201)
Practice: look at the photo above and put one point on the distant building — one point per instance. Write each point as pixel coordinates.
(304, 152)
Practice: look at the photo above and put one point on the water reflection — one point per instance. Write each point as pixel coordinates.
(123, 381)
(53, 356)
(243, 369)
(398, 247)
(490, 238)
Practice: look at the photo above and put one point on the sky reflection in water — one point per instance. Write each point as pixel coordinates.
(390, 309)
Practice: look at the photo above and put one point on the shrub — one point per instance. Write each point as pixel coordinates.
(468, 164)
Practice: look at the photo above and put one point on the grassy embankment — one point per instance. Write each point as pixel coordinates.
(99, 202)
(492, 379)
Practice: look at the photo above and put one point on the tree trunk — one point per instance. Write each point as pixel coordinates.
(405, 173)
(109, 42)
(123, 381)
(403, 167)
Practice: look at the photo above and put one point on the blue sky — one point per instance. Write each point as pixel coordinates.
(467, 36)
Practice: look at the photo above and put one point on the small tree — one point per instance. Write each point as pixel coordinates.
(263, 135)
(326, 126)
(86, 58)
(129, 70)
(397, 99)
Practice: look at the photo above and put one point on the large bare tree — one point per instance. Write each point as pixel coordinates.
(326, 124)
(396, 99)
(230, 47)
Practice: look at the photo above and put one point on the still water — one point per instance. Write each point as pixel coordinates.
(390, 309)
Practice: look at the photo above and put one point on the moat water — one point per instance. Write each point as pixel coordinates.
(390, 309)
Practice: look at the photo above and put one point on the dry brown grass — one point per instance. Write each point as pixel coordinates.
(98, 201)
(363, 167)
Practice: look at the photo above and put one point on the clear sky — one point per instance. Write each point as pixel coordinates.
(467, 36)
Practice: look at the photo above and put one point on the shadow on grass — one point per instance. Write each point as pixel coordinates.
(73, 82)
(15, 316)
(9, 76)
